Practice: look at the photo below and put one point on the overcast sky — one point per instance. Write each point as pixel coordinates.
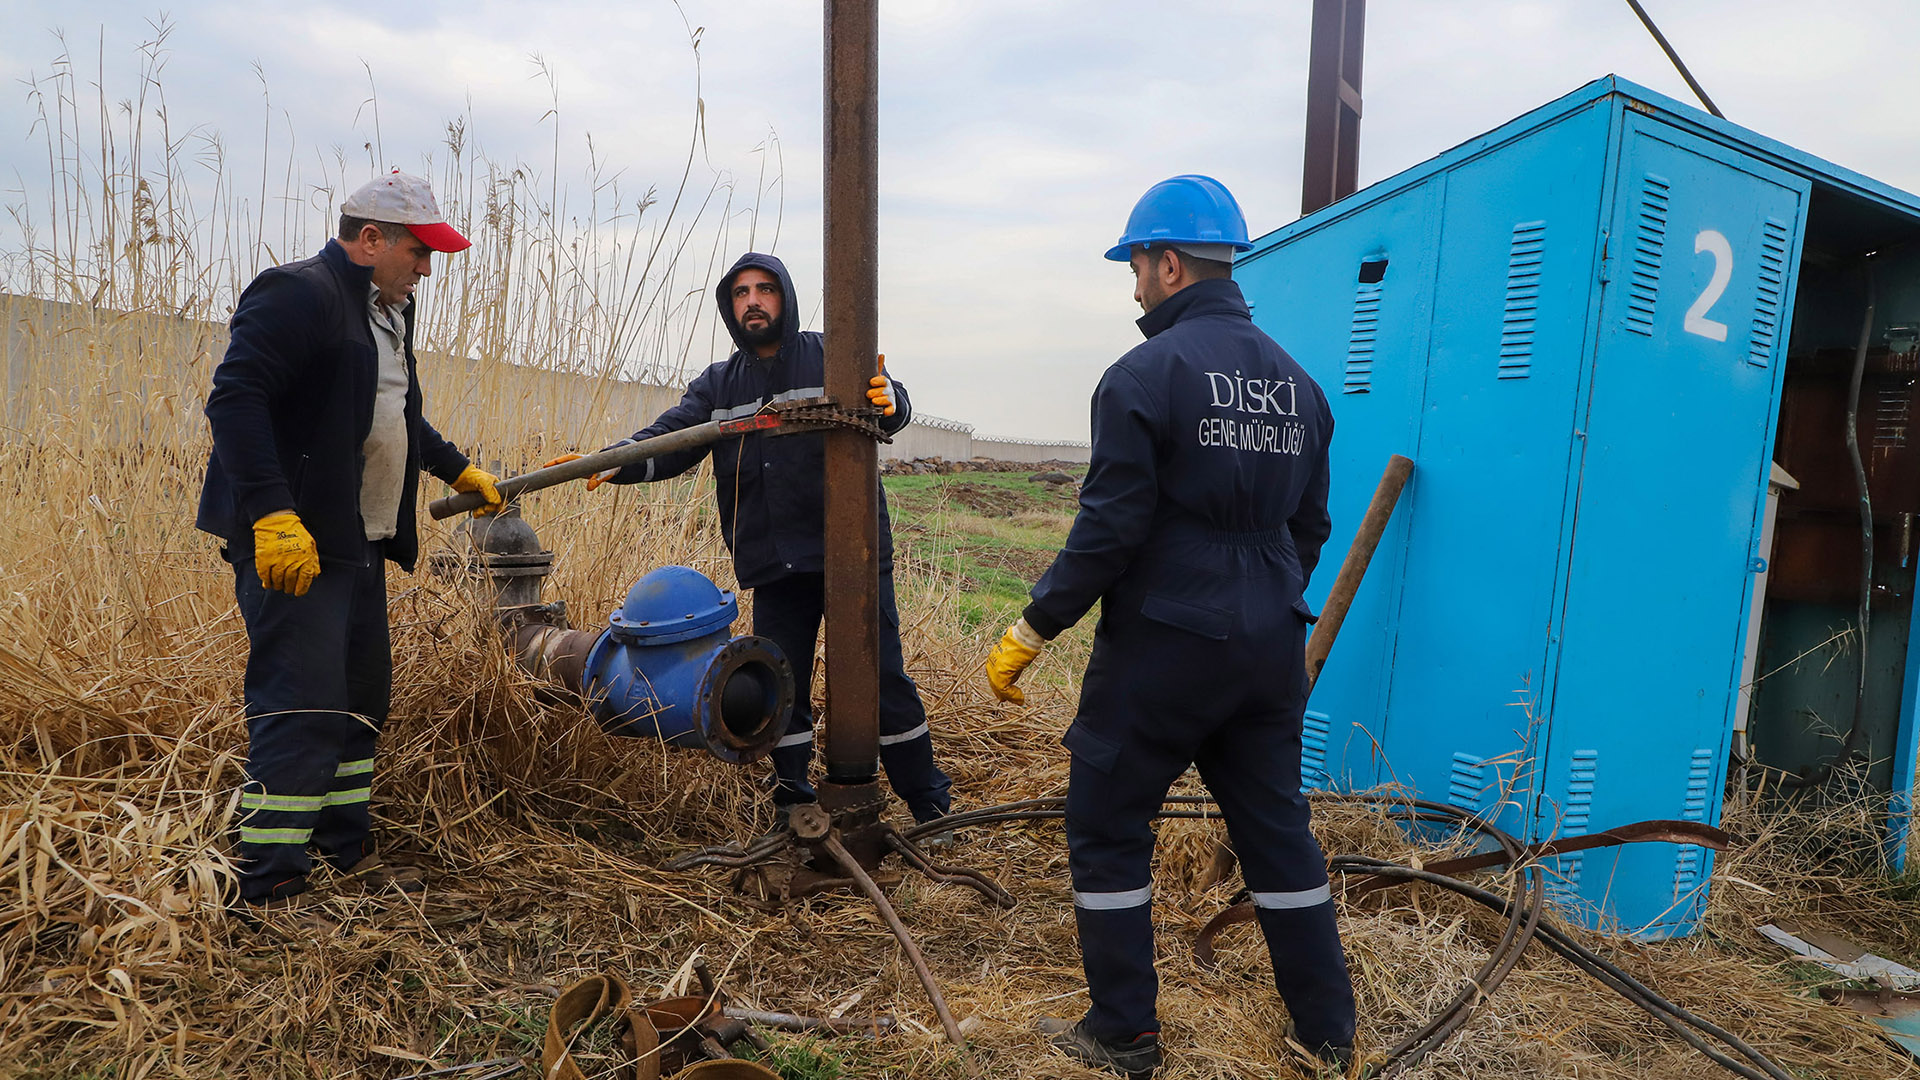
(1015, 136)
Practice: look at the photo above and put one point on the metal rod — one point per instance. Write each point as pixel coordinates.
(487, 1064)
(831, 844)
(1354, 567)
(587, 464)
(949, 875)
(852, 560)
(839, 1025)
(1675, 57)
(701, 971)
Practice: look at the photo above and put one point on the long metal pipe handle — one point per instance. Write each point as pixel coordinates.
(832, 846)
(632, 453)
(1372, 527)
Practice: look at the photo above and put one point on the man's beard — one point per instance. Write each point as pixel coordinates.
(767, 333)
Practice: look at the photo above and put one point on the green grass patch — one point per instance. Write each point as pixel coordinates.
(995, 533)
(802, 1059)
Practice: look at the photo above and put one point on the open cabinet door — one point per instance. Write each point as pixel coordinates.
(1672, 489)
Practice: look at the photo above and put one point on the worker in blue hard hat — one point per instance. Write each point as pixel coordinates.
(1201, 518)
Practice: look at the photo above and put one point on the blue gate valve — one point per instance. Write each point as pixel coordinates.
(667, 667)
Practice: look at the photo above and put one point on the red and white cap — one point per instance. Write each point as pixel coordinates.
(405, 200)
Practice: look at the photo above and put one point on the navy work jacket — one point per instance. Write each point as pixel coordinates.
(292, 404)
(771, 489)
(1207, 493)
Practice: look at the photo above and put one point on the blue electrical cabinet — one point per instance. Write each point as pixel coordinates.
(1577, 326)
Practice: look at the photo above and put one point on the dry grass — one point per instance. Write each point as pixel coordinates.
(123, 747)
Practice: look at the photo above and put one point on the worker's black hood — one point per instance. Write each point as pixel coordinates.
(789, 315)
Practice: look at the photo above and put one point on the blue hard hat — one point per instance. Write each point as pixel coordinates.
(1189, 209)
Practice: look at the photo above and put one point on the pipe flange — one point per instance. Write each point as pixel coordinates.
(541, 558)
(497, 571)
(746, 699)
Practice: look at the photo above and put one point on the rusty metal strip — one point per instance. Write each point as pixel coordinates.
(1233, 915)
(1642, 832)
(578, 1008)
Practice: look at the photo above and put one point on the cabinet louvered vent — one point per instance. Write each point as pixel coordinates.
(1313, 750)
(1467, 782)
(1649, 244)
(1577, 815)
(1688, 861)
(1525, 256)
(1360, 339)
(1767, 298)
(1891, 414)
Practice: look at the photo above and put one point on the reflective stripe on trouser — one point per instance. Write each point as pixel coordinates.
(789, 611)
(1253, 770)
(1128, 748)
(318, 681)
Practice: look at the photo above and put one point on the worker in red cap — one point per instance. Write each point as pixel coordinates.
(318, 442)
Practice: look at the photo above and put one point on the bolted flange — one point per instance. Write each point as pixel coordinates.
(809, 822)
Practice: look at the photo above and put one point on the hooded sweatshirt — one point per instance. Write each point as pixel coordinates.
(771, 490)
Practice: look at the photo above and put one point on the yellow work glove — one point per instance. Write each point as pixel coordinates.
(882, 393)
(598, 478)
(284, 553)
(1017, 648)
(475, 478)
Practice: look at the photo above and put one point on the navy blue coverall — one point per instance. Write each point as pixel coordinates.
(1201, 517)
(772, 499)
(291, 405)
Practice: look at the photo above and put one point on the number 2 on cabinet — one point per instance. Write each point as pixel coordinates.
(1710, 240)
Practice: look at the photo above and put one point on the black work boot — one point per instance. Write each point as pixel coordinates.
(1331, 1055)
(1135, 1059)
(374, 874)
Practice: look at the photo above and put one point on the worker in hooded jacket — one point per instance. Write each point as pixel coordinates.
(1201, 518)
(771, 492)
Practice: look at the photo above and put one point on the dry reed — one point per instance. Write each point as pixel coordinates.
(543, 837)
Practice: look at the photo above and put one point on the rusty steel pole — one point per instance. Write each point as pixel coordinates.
(852, 343)
(1337, 45)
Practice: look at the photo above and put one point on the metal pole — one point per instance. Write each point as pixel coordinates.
(1332, 166)
(852, 343)
(617, 457)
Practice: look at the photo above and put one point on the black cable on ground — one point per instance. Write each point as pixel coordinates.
(1608, 973)
(1525, 922)
(1524, 913)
